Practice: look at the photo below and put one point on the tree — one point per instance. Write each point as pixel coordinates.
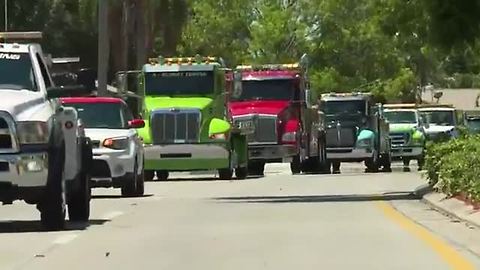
(220, 28)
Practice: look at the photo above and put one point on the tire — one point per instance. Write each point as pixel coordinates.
(52, 207)
(421, 162)
(225, 174)
(387, 163)
(79, 200)
(256, 168)
(148, 175)
(373, 164)
(241, 173)
(162, 175)
(312, 165)
(130, 187)
(140, 191)
(336, 167)
(295, 165)
(326, 167)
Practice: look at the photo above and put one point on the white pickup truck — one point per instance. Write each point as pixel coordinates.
(44, 154)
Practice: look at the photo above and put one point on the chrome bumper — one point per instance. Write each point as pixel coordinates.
(349, 154)
(406, 151)
(24, 170)
(272, 152)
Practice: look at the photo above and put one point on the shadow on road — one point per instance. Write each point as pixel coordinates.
(112, 196)
(393, 196)
(28, 226)
(204, 179)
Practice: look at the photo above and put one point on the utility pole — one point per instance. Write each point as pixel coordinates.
(103, 47)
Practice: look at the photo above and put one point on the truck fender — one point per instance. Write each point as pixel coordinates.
(68, 119)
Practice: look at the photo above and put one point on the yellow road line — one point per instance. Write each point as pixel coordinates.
(454, 259)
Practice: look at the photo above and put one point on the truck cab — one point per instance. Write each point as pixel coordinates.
(407, 133)
(472, 121)
(356, 131)
(443, 119)
(44, 154)
(186, 125)
(276, 100)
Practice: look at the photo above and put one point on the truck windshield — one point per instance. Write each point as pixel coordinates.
(266, 90)
(179, 83)
(100, 115)
(17, 72)
(473, 125)
(345, 107)
(401, 117)
(441, 118)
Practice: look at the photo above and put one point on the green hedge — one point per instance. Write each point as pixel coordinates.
(454, 166)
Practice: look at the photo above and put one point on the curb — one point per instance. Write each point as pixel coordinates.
(452, 207)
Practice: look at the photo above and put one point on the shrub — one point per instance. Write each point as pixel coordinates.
(454, 166)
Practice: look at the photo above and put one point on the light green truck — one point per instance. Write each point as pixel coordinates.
(187, 125)
(407, 133)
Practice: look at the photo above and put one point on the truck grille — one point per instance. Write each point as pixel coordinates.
(399, 139)
(175, 126)
(342, 137)
(8, 140)
(265, 128)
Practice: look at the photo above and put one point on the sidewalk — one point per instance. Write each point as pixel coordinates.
(452, 207)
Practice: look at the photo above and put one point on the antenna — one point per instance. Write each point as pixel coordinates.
(6, 15)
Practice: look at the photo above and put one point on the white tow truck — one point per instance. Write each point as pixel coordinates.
(44, 154)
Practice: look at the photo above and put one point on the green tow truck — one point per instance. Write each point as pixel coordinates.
(186, 119)
(407, 133)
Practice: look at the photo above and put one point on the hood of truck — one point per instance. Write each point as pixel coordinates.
(395, 128)
(257, 107)
(25, 105)
(153, 103)
(432, 129)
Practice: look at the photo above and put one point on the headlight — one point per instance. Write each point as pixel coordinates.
(364, 142)
(119, 143)
(32, 132)
(289, 137)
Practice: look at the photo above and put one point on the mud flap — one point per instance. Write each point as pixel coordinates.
(239, 147)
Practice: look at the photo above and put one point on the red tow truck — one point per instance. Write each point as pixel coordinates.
(276, 100)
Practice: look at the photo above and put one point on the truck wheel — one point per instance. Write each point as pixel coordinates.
(225, 174)
(241, 173)
(79, 200)
(326, 167)
(406, 164)
(295, 165)
(162, 175)
(52, 207)
(336, 167)
(421, 162)
(148, 175)
(312, 165)
(256, 168)
(386, 162)
(372, 164)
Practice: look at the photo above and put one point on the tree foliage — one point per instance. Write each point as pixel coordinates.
(387, 47)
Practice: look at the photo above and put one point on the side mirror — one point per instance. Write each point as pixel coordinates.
(218, 126)
(237, 84)
(136, 123)
(121, 81)
(87, 77)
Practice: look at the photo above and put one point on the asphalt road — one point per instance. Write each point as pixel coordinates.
(349, 221)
